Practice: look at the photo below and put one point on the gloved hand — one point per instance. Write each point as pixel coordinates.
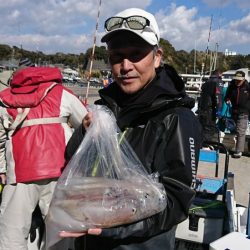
(37, 222)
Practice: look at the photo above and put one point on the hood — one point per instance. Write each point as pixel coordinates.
(233, 84)
(165, 91)
(28, 80)
(167, 86)
(29, 86)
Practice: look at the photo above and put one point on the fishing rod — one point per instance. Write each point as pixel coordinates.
(213, 64)
(5, 84)
(92, 53)
(207, 49)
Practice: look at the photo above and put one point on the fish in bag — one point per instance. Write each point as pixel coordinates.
(104, 184)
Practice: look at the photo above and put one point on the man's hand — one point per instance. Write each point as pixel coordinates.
(87, 120)
(94, 231)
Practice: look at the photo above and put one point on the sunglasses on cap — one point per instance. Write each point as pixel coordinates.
(133, 22)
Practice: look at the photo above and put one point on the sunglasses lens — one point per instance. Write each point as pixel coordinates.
(113, 23)
(133, 22)
(136, 22)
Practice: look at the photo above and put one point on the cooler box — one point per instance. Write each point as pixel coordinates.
(205, 222)
(232, 241)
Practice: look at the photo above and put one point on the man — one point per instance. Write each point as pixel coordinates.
(149, 101)
(238, 95)
(35, 124)
(210, 104)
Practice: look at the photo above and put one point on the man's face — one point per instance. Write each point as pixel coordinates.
(239, 82)
(133, 61)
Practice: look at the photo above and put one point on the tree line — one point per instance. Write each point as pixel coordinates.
(184, 62)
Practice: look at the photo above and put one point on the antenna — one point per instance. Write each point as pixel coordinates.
(92, 54)
(19, 33)
(208, 40)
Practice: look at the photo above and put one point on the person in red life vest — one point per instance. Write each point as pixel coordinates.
(36, 116)
(238, 95)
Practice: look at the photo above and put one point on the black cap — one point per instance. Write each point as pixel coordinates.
(239, 75)
(25, 62)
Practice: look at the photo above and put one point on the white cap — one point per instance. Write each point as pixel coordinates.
(150, 33)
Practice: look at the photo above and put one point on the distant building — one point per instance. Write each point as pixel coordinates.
(98, 65)
(11, 64)
(59, 65)
(230, 53)
(2, 68)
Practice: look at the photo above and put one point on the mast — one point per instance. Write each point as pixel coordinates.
(92, 53)
(195, 57)
(213, 60)
(208, 40)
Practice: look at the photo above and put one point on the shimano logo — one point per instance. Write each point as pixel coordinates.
(192, 156)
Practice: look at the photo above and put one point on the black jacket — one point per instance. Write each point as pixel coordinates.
(239, 97)
(165, 134)
(211, 96)
(210, 105)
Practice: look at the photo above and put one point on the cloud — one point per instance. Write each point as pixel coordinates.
(40, 23)
(183, 28)
(11, 3)
(74, 44)
(69, 25)
(217, 3)
(242, 4)
(242, 25)
(236, 32)
(234, 35)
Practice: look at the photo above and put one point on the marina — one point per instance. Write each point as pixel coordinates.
(205, 187)
(238, 169)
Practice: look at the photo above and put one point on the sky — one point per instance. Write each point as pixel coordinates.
(69, 26)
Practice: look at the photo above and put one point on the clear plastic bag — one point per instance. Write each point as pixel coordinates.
(104, 184)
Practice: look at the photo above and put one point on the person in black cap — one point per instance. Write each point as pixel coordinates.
(238, 95)
(149, 101)
(210, 104)
(25, 62)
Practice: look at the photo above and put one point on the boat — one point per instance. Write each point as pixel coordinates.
(227, 76)
(193, 82)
